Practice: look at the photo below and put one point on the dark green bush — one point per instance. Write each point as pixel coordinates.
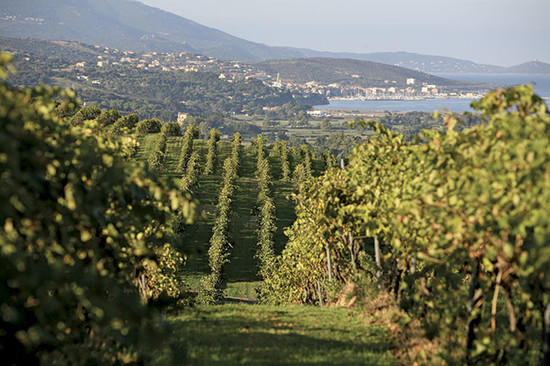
(171, 129)
(86, 113)
(149, 126)
(108, 117)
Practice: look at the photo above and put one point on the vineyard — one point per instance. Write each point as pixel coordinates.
(128, 241)
(243, 196)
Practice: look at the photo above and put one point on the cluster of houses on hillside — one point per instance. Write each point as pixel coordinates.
(182, 61)
(231, 70)
(412, 91)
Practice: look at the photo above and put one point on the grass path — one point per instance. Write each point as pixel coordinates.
(234, 334)
(240, 272)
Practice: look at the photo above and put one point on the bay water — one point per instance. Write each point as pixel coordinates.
(540, 82)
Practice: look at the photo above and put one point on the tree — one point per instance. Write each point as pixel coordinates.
(125, 123)
(108, 117)
(326, 125)
(171, 129)
(86, 113)
(153, 125)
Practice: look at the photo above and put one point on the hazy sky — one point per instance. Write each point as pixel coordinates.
(499, 32)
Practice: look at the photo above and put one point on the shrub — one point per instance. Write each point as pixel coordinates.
(108, 117)
(86, 113)
(171, 129)
(127, 122)
(149, 126)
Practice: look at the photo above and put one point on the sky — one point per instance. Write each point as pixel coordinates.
(497, 32)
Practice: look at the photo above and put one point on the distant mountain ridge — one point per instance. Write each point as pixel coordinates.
(127, 25)
(531, 67)
(130, 25)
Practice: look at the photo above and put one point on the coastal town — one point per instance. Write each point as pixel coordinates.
(409, 89)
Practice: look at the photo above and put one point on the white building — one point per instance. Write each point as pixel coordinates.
(182, 117)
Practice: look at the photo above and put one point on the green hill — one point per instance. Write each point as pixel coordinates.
(157, 91)
(348, 72)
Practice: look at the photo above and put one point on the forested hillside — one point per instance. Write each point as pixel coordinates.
(154, 91)
(348, 72)
(100, 78)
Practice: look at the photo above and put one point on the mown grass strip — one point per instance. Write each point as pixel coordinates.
(267, 335)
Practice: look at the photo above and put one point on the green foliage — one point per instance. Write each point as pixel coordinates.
(152, 125)
(190, 181)
(211, 290)
(77, 225)
(258, 147)
(124, 123)
(86, 113)
(461, 223)
(212, 154)
(329, 159)
(285, 163)
(266, 209)
(191, 133)
(163, 277)
(246, 129)
(171, 129)
(326, 125)
(157, 160)
(299, 274)
(236, 149)
(337, 143)
(307, 158)
(108, 117)
(128, 121)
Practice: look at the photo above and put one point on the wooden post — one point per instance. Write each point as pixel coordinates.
(377, 258)
(352, 252)
(319, 293)
(546, 336)
(329, 262)
(142, 287)
(475, 302)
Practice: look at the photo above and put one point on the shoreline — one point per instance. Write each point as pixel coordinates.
(457, 105)
(409, 99)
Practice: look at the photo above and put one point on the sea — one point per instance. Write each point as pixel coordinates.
(540, 82)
